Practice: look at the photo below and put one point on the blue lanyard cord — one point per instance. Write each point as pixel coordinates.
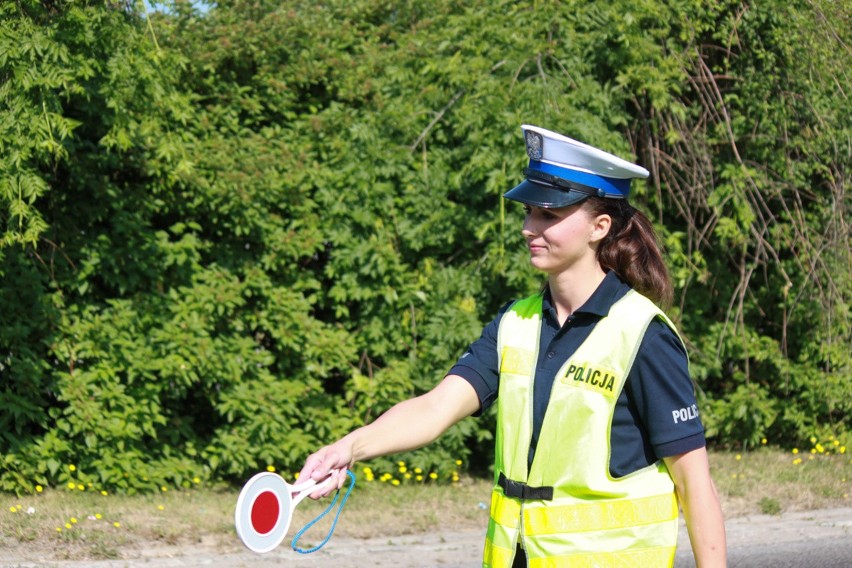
(333, 524)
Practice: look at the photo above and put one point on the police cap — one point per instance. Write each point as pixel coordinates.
(563, 171)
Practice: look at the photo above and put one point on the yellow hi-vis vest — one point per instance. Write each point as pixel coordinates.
(592, 518)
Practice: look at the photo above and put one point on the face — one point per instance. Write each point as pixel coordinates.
(560, 239)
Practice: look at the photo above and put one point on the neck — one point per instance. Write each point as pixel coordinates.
(571, 289)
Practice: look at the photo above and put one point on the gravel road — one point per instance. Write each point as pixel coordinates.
(799, 539)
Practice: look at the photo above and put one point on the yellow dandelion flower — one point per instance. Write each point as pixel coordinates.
(270, 468)
(400, 463)
(842, 449)
(72, 467)
(161, 507)
(810, 457)
(433, 475)
(164, 488)
(763, 441)
(407, 475)
(739, 457)
(59, 529)
(116, 524)
(71, 485)
(813, 450)
(795, 450)
(458, 462)
(39, 488)
(820, 448)
(418, 470)
(68, 526)
(402, 469)
(104, 493)
(73, 520)
(394, 482)
(419, 478)
(455, 477)
(797, 461)
(98, 516)
(835, 442)
(81, 487)
(367, 470)
(296, 476)
(13, 509)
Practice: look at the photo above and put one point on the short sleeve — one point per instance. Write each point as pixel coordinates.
(478, 365)
(664, 394)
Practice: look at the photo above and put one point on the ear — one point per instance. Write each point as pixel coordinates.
(600, 228)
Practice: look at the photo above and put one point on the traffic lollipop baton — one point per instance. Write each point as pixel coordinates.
(265, 509)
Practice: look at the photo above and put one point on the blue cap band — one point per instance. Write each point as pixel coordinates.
(613, 187)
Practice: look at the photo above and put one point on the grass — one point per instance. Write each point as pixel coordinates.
(772, 481)
(766, 481)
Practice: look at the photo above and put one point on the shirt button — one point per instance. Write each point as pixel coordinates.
(550, 355)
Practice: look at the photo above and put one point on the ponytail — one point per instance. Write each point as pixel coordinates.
(632, 250)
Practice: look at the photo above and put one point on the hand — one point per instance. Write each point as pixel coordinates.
(331, 460)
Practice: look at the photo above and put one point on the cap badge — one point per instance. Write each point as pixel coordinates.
(535, 144)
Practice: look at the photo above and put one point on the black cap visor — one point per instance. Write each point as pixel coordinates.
(545, 195)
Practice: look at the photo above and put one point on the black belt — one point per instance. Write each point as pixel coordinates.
(520, 490)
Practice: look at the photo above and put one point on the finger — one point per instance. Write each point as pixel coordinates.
(341, 478)
(319, 468)
(334, 482)
(334, 457)
(313, 466)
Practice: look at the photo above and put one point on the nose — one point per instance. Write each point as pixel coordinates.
(529, 228)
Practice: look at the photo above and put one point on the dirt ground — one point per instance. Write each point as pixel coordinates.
(798, 531)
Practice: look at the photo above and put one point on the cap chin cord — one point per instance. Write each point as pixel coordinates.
(302, 531)
(564, 184)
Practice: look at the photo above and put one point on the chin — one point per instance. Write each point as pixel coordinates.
(541, 266)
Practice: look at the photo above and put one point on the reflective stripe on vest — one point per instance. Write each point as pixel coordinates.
(593, 519)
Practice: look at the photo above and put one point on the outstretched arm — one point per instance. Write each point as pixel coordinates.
(408, 425)
(701, 508)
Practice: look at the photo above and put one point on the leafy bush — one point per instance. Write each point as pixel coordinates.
(229, 237)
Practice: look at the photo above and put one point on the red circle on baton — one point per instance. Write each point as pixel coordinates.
(264, 512)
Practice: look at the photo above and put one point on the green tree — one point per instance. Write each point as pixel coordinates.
(229, 236)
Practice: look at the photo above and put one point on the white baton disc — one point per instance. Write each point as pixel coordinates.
(263, 512)
(265, 509)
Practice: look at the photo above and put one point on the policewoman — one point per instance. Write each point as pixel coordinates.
(598, 441)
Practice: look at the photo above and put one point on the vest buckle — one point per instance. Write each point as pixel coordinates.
(520, 490)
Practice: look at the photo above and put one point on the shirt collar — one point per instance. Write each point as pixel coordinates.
(609, 291)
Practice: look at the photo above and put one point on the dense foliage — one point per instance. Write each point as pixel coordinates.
(227, 236)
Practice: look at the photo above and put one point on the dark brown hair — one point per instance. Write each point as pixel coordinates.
(632, 250)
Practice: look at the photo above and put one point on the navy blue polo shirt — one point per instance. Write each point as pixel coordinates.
(656, 414)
